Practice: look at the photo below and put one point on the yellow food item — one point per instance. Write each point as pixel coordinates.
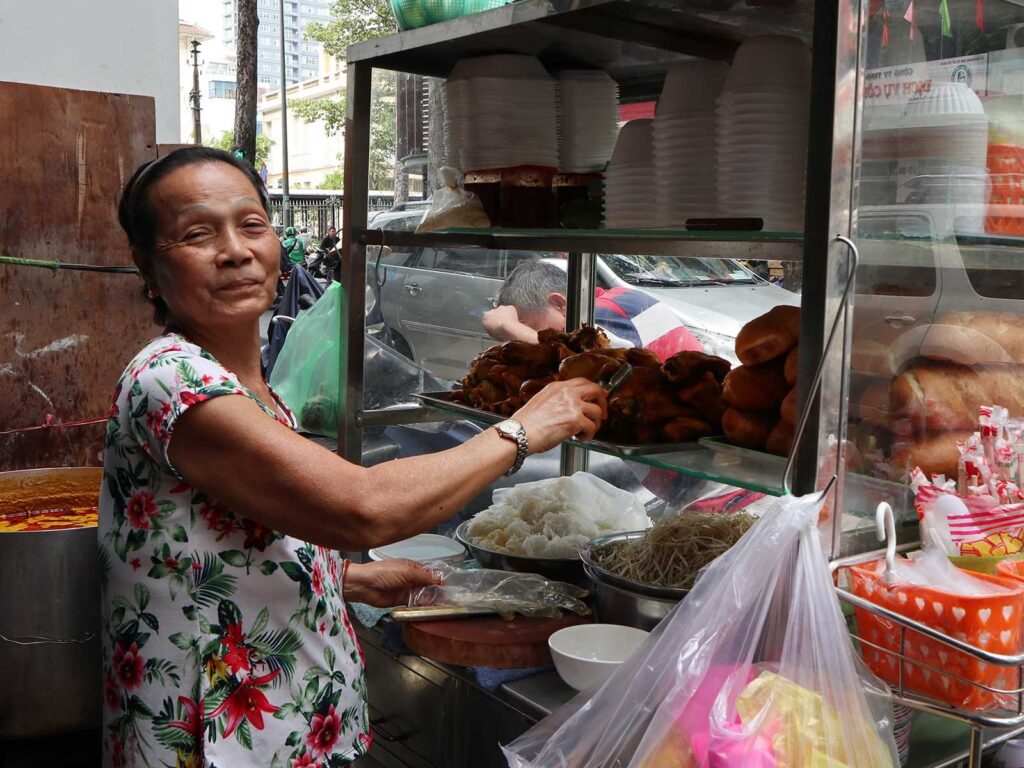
(49, 520)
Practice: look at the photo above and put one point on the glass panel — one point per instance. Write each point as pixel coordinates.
(940, 289)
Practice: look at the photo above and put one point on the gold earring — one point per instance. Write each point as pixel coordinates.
(151, 293)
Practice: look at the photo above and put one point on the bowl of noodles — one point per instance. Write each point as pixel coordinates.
(640, 576)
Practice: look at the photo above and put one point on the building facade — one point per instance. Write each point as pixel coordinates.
(302, 57)
(312, 154)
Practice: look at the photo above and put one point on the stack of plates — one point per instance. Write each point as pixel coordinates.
(761, 131)
(500, 113)
(684, 142)
(588, 108)
(943, 151)
(631, 197)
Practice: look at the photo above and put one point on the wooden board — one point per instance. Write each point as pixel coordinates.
(66, 336)
(488, 641)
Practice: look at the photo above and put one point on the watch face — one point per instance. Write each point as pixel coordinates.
(510, 427)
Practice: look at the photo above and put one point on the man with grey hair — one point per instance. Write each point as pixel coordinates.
(533, 298)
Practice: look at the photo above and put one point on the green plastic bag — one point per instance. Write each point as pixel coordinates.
(306, 374)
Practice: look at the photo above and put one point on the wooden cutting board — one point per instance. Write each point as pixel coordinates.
(487, 641)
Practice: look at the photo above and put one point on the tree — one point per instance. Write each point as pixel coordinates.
(355, 21)
(226, 141)
(245, 88)
(333, 180)
(383, 134)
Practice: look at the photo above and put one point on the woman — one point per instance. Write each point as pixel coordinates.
(225, 636)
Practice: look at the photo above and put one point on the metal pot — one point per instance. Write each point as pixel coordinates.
(49, 609)
(624, 601)
(554, 568)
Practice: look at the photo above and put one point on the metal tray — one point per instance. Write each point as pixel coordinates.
(443, 401)
(569, 569)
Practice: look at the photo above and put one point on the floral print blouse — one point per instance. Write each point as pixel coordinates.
(224, 643)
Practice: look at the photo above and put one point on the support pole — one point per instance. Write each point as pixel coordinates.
(194, 96)
(286, 211)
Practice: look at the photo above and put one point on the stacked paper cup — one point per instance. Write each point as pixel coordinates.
(588, 106)
(630, 195)
(500, 113)
(901, 731)
(943, 148)
(761, 131)
(684, 142)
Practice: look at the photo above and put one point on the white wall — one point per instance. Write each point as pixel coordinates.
(117, 46)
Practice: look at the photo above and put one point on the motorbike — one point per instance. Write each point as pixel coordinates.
(321, 263)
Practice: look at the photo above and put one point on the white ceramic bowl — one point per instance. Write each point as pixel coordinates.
(586, 655)
(634, 144)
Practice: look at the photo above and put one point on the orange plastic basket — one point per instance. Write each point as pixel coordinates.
(1005, 213)
(990, 622)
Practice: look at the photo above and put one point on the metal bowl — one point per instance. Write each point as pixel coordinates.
(625, 601)
(554, 568)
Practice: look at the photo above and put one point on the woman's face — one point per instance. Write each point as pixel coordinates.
(217, 259)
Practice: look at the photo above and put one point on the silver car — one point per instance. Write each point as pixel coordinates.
(433, 299)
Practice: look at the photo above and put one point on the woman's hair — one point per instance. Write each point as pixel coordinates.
(530, 284)
(139, 220)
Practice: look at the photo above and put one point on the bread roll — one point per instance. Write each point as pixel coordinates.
(791, 367)
(788, 408)
(941, 397)
(950, 343)
(746, 429)
(934, 452)
(780, 439)
(769, 336)
(873, 404)
(872, 357)
(1004, 329)
(755, 387)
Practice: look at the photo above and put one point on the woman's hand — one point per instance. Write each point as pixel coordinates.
(386, 583)
(561, 410)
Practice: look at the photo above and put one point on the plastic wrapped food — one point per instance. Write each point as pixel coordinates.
(527, 594)
(453, 206)
(753, 669)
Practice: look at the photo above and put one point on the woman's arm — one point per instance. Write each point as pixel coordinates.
(229, 449)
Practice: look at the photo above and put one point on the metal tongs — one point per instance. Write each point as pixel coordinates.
(617, 379)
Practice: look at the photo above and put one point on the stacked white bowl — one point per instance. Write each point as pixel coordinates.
(761, 130)
(684, 142)
(943, 149)
(630, 192)
(588, 108)
(500, 113)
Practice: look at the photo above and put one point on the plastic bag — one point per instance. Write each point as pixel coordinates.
(453, 206)
(307, 370)
(527, 594)
(931, 568)
(755, 669)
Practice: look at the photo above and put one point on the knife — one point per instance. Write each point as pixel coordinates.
(618, 378)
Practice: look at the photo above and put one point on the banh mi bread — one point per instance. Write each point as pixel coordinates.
(755, 387)
(1004, 329)
(788, 408)
(934, 452)
(943, 396)
(780, 439)
(747, 429)
(769, 336)
(790, 369)
(873, 404)
(872, 357)
(950, 343)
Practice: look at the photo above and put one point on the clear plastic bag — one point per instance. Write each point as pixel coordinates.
(453, 206)
(527, 594)
(755, 669)
(306, 373)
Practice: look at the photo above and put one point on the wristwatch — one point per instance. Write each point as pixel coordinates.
(511, 429)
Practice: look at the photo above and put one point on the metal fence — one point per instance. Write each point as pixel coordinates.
(318, 211)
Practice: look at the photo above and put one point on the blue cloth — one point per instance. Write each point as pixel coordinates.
(368, 615)
(492, 679)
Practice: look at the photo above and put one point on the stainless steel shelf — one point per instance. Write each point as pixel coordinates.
(774, 246)
(630, 39)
